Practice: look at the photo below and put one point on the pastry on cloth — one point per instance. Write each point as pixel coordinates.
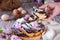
(9, 4)
(32, 30)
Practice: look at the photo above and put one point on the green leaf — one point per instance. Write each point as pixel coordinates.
(37, 20)
(1, 30)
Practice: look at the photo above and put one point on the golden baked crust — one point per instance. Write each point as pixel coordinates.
(31, 38)
(9, 4)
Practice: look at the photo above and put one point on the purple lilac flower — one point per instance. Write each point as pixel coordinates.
(18, 25)
(27, 16)
(34, 24)
(1, 35)
(14, 37)
(39, 1)
(7, 31)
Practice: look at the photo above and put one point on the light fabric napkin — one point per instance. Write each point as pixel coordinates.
(52, 25)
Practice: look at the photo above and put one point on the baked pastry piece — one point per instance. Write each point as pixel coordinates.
(9, 4)
(37, 14)
(40, 14)
(31, 31)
